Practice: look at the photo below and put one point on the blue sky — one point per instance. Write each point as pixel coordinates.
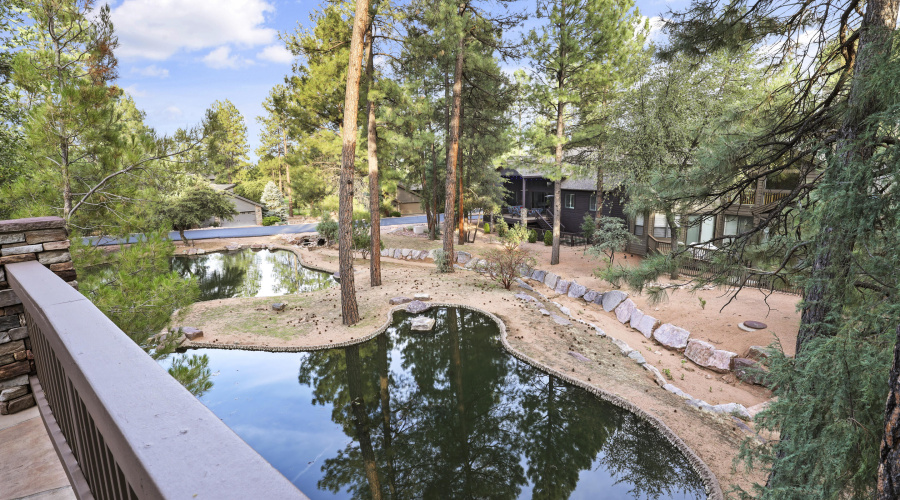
(176, 57)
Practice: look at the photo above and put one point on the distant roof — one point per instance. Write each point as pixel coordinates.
(229, 193)
(222, 187)
(528, 168)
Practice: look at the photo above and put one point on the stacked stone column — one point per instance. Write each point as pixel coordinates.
(45, 240)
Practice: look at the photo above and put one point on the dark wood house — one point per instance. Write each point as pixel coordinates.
(530, 190)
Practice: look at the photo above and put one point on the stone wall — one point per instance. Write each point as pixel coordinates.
(45, 240)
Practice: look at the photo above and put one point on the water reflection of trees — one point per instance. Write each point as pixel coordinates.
(240, 274)
(291, 277)
(464, 419)
(220, 275)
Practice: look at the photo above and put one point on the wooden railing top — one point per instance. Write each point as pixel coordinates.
(167, 443)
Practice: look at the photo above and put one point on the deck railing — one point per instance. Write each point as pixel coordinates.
(123, 427)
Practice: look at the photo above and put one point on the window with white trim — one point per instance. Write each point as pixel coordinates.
(639, 225)
(570, 200)
(593, 205)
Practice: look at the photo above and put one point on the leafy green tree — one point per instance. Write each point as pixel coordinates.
(192, 207)
(228, 144)
(193, 372)
(574, 57)
(272, 197)
(606, 236)
(86, 153)
(10, 111)
(275, 143)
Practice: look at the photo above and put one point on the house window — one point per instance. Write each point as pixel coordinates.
(700, 229)
(639, 225)
(661, 227)
(593, 207)
(735, 225)
(570, 200)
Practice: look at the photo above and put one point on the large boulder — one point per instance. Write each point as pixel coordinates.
(463, 257)
(384, 253)
(560, 320)
(644, 323)
(734, 409)
(623, 312)
(550, 280)
(759, 353)
(397, 253)
(538, 275)
(399, 300)
(191, 333)
(671, 336)
(416, 306)
(706, 355)
(422, 324)
(562, 287)
(522, 284)
(749, 371)
(599, 299)
(405, 252)
(611, 300)
(577, 291)
(589, 296)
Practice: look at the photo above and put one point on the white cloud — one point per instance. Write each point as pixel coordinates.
(156, 29)
(172, 112)
(133, 91)
(222, 58)
(276, 54)
(656, 26)
(152, 71)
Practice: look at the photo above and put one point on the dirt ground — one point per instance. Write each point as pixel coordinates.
(313, 319)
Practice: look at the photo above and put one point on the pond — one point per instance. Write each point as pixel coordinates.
(442, 414)
(250, 273)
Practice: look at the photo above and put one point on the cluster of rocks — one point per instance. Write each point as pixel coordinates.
(41, 239)
(194, 251)
(666, 334)
(408, 254)
(416, 305)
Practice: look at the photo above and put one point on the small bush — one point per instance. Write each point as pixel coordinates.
(532, 236)
(396, 214)
(271, 221)
(362, 237)
(548, 238)
(502, 227)
(442, 261)
(328, 229)
(487, 228)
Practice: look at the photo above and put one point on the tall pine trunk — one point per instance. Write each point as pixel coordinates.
(349, 308)
(836, 241)
(453, 154)
(374, 188)
(461, 215)
(599, 194)
(557, 186)
(889, 466)
(287, 167)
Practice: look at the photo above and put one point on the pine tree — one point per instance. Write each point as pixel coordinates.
(573, 55)
(228, 145)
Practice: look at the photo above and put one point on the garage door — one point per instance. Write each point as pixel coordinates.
(241, 219)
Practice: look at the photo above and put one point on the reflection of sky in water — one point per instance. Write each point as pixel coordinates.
(249, 273)
(465, 419)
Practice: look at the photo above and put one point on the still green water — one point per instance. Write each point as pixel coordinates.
(250, 273)
(439, 415)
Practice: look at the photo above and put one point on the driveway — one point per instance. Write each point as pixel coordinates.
(250, 231)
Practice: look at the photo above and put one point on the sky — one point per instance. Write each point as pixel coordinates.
(177, 57)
